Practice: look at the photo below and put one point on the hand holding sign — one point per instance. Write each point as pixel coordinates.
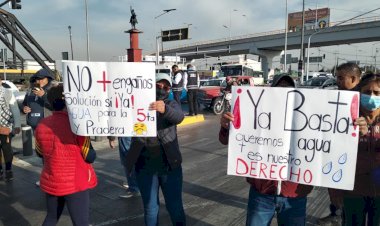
(363, 126)
(226, 119)
(157, 106)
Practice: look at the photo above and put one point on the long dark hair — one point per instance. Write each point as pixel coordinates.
(56, 98)
(367, 79)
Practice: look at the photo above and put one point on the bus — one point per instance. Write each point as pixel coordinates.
(242, 70)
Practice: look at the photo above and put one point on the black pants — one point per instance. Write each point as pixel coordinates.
(193, 103)
(6, 148)
(78, 205)
(177, 96)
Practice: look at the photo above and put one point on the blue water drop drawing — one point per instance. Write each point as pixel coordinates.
(327, 168)
(337, 175)
(342, 159)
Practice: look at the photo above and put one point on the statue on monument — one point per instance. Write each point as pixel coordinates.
(133, 19)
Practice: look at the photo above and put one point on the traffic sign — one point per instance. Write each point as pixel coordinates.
(175, 35)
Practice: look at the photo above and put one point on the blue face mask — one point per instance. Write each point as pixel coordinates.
(370, 102)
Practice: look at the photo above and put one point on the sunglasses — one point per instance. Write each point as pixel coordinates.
(162, 86)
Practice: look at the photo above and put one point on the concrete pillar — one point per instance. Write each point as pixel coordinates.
(266, 60)
(134, 53)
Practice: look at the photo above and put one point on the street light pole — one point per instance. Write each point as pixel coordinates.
(300, 62)
(165, 11)
(286, 35)
(377, 50)
(87, 31)
(71, 43)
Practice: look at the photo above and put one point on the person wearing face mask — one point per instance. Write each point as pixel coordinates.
(269, 197)
(35, 104)
(157, 160)
(347, 78)
(362, 205)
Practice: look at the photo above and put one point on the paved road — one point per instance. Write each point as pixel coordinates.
(210, 196)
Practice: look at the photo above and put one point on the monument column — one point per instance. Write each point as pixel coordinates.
(134, 52)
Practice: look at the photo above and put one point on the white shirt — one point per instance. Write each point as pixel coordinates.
(177, 78)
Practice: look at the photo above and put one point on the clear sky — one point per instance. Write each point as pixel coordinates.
(48, 21)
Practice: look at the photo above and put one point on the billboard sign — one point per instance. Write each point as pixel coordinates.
(175, 35)
(320, 17)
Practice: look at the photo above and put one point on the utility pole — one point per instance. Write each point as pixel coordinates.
(71, 43)
(319, 54)
(286, 36)
(165, 11)
(87, 32)
(300, 62)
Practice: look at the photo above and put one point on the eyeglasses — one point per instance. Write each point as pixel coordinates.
(162, 86)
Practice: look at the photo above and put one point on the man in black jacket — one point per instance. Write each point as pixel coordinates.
(157, 160)
(192, 85)
(177, 83)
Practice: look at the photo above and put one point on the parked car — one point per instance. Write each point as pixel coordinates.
(210, 90)
(19, 95)
(330, 84)
(315, 82)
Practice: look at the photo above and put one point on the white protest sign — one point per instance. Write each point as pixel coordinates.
(110, 99)
(302, 135)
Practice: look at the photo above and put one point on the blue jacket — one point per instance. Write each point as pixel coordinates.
(166, 134)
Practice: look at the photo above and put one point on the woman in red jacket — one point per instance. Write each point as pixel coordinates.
(67, 174)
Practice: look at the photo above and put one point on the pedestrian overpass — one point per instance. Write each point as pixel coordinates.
(270, 44)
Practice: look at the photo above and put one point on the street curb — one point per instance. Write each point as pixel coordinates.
(192, 119)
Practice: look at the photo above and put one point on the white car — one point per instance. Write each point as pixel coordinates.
(18, 94)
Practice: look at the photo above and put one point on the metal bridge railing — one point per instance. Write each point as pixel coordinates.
(266, 33)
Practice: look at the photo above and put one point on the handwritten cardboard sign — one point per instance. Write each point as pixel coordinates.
(302, 135)
(110, 99)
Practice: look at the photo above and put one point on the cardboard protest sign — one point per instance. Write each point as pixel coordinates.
(110, 99)
(302, 135)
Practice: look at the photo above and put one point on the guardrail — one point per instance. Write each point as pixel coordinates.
(275, 32)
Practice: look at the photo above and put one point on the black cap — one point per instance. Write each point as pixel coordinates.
(277, 78)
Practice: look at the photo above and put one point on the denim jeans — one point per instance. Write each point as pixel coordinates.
(357, 209)
(171, 186)
(261, 209)
(124, 145)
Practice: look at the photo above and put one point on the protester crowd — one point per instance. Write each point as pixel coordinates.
(151, 164)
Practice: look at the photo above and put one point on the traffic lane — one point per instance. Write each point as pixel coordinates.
(210, 195)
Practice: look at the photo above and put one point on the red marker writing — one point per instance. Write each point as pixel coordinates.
(354, 111)
(237, 118)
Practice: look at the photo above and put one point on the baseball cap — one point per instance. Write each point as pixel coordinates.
(163, 76)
